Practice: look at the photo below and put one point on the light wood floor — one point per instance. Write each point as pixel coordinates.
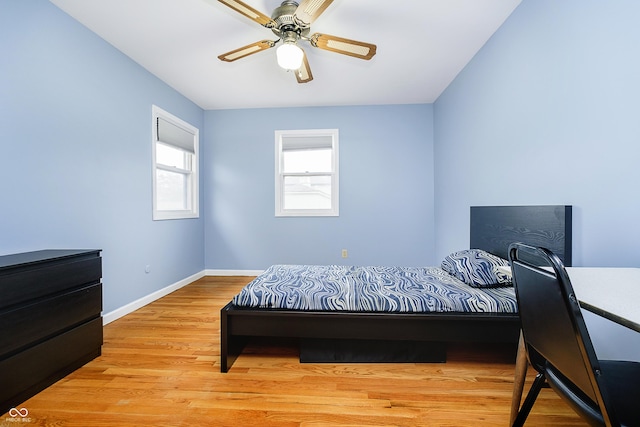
(160, 367)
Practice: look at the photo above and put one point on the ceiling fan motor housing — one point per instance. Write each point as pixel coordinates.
(283, 16)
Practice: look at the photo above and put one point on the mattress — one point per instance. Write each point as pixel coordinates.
(370, 289)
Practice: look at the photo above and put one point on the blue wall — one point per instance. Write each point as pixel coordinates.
(75, 157)
(547, 113)
(386, 189)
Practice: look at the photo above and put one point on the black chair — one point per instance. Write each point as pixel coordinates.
(603, 392)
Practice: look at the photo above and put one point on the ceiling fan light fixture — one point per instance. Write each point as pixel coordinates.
(289, 56)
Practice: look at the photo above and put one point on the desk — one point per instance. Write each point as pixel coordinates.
(613, 293)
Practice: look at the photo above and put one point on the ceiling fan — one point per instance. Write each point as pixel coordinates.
(291, 22)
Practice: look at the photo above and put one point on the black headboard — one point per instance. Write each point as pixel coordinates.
(494, 228)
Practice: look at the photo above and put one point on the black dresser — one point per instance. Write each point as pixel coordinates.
(50, 319)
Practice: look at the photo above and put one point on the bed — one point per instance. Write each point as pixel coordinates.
(397, 314)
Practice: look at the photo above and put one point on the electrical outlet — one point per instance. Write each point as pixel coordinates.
(344, 253)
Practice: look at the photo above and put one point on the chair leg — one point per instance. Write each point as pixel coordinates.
(522, 364)
(530, 399)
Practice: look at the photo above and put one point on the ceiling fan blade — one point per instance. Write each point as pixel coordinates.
(303, 74)
(309, 10)
(353, 48)
(246, 50)
(250, 12)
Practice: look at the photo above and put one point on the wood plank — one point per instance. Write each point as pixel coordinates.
(160, 367)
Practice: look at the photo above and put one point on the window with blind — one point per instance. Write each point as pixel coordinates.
(307, 172)
(175, 167)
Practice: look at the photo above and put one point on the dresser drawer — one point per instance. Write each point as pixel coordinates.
(30, 324)
(21, 284)
(28, 372)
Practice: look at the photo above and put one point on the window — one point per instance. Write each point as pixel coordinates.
(307, 172)
(175, 167)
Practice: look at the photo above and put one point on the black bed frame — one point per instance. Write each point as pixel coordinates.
(493, 228)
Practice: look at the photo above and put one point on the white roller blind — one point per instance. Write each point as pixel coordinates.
(307, 142)
(175, 135)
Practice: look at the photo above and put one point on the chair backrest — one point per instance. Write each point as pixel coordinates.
(553, 326)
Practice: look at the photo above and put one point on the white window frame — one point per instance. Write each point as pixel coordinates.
(280, 175)
(191, 172)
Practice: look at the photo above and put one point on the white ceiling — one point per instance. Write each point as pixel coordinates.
(422, 46)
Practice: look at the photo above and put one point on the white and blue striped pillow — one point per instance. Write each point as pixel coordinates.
(477, 268)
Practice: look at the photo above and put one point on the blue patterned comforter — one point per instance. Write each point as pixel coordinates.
(370, 289)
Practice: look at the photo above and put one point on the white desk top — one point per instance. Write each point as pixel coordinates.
(613, 293)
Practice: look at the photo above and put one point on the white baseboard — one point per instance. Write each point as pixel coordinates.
(139, 303)
(133, 306)
(249, 273)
